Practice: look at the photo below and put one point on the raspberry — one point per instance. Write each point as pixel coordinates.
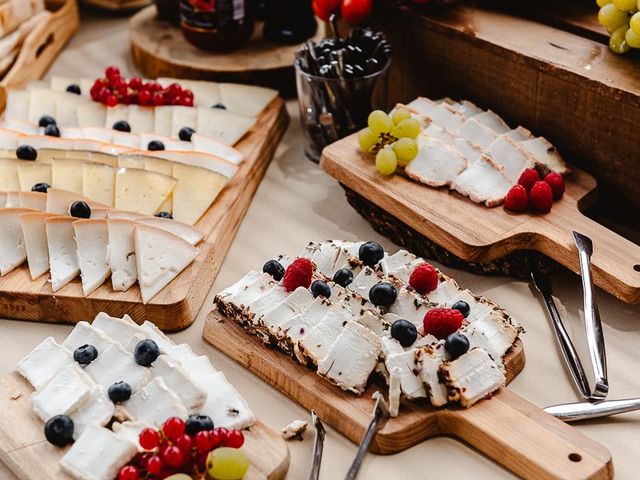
(556, 182)
(424, 278)
(442, 322)
(541, 197)
(516, 199)
(528, 178)
(298, 274)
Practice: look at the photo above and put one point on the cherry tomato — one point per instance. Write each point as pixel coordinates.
(320, 13)
(329, 5)
(356, 11)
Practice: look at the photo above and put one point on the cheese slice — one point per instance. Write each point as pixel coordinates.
(60, 84)
(117, 113)
(66, 109)
(190, 393)
(93, 253)
(66, 174)
(12, 200)
(33, 200)
(162, 166)
(225, 126)
(12, 248)
(43, 362)
(35, 240)
(91, 114)
(69, 388)
(9, 180)
(141, 119)
(59, 201)
(113, 213)
(196, 191)
(163, 118)
(30, 173)
(182, 230)
(86, 334)
(133, 161)
(205, 94)
(42, 102)
(61, 244)
(160, 257)
(99, 134)
(97, 410)
(3, 199)
(206, 144)
(154, 404)
(122, 256)
(115, 364)
(126, 139)
(119, 330)
(99, 183)
(9, 140)
(17, 107)
(248, 100)
(142, 191)
(182, 117)
(197, 159)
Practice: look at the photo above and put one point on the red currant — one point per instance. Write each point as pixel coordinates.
(186, 101)
(175, 89)
(173, 456)
(223, 432)
(173, 428)
(149, 438)
(135, 83)
(322, 14)
(129, 472)
(185, 442)
(158, 99)
(144, 97)
(154, 465)
(202, 441)
(111, 101)
(112, 72)
(187, 94)
(235, 439)
(216, 438)
(356, 11)
(329, 5)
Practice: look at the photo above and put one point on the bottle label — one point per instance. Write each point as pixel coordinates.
(212, 14)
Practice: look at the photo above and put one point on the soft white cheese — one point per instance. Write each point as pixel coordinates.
(93, 253)
(43, 362)
(86, 334)
(122, 257)
(66, 391)
(190, 393)
(12, 246)
(154, 404)
(35, 241)
(63, 260)
(116, 364)
(96, 410)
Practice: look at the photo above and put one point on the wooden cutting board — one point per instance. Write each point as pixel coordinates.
(177, 305)
(26, 452)
(508, 429)
(476, 233)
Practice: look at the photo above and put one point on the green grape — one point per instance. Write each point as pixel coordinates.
(386, 161)
(227, 464)
(618, 42)
(178, 476)
(379, 122)
(367, 139)
(625, 5)
(409, 128)
(634, 23)
(602, 3)
(406, 150)
(611, 17)
(400, 114)
(632, 38)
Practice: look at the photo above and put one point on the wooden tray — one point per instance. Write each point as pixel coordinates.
(42, 46)
(508, 429)
(160, 50)
(25, 451)
(476, 233)
(118, 6)
(177, 305)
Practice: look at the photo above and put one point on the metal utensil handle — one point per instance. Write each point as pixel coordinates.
(573, 412)
(363, 447)
(318, 446)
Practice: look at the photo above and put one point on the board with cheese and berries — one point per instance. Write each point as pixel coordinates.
(126, 193)
(345, 322)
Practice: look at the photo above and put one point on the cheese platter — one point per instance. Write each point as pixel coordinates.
(105, 173)
(351, 320)
(126, 388)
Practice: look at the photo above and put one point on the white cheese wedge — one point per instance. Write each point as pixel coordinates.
(483, 182)
(182, 230)
(86, 334)
(154, 404)
(252, 291)
(66, 174)
(196, 159)
(142, 191)
(477, 133)
(316, 343)
(182, 117)
(93, 253)
(511, 156)
(293, 305)
(467, 108)
(99, 183)
(205, 94)
(17, 107)
(13, 252)
(163, 117)
(327, 258)
(165, 344)
(119, 330)
(141, 119)
(246, 100)
(190, 393)
(500, 335)
(436, 164)
(67, 110)
(394, 391)
(112, 213)
(12, 200)
(240, 285)
(63, 261)
(60, 84)
(59, 201)
(195, 192)
(43, 362)
(267, 302)
(31, 173)
(97, 455)
(428, 360)
(122, 257)
(117, 113)
(410, 382)
(115, 364)
(410, 306)
(210, 145)
(69, 388)
(519, 134)
(493, 121)
(126, 139)
(33, 200)
(97, 410)
(160, 257)
(99, 134)
(297, 326)
(545, 155)
(222, 125)
(9, 180)
(42, 102)
(35, 241)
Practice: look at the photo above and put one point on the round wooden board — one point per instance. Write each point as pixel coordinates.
(160, 50)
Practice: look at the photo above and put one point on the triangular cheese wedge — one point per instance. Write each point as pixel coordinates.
(205, 94)
(9, 180)
(202, 143)
(99, 183)
(196, 191)
(122, 257)
(183, 230)
(61, 244)
(30, 173)
(225, 126)
(160, 257)
(17, 105)
(93, 253)
(141, 119)
(66, 174)
(12, 250)
(13, 200)
(33, 200)
(42, 102)
(117, 113)
(91, 114)
(142, 191)
(59, 201)
(163, 117)
(182, 117)
(197, 159)
(9, 140)
(247, 100)
(35, 239)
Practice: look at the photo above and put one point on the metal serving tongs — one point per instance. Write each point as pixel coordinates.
(318, 446)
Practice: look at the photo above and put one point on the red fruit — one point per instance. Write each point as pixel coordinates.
(442, 322)
(356, 11)
(144, 97)
(298, 274)
(149, 438)
(187, 94)
(173, 456)
(424, 278)
(154, 465)
(128, 472)
(528, 178)
(541, 197)
(235, 439)
(320, 12)
(135, 83)
(186, 101)
(158, 99)
(203, 441)
(112, 72)
(111, 101)
(185, 442)
(216, 438)
(173, 428)
(556, 182)
(201, 460)
(517, 199)
(175, 89)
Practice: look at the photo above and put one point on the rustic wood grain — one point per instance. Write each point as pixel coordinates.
(476, 233)
(177, 305)
(24, 449)
(42, 46)
(508, 429)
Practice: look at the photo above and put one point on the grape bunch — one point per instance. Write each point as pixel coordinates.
(391, 138)
(622, 19)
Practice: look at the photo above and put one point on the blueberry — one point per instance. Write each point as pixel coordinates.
(119, 392)
(198, 423)
(370, 253)
(404, 331)
(343, 277)
(59, 430)
(80, 209)
(26, 152)
(219, 105)
(41, 187)
(456, 344)
(85, 354)
(146, 352)
(46, 120)
(185, 133)
(320, 288)
(52, 130)
(275, 269)
(462, 307)
(383, 294)
(155, 145)
(122, 126)
(74, 88)
(164, 214)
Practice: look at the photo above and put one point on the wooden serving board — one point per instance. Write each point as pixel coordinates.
(511, 431)
(177, 305)
(27, 453)
(160, 50)
(476, 233)
(42, 46)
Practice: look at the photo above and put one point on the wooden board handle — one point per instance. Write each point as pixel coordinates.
(527, 441)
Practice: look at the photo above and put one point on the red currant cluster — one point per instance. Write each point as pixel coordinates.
(113, 89)
(353, 11)
(171, 450)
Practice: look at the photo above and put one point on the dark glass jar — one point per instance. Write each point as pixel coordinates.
(289, 22)
(168, 10)
(217, 24)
